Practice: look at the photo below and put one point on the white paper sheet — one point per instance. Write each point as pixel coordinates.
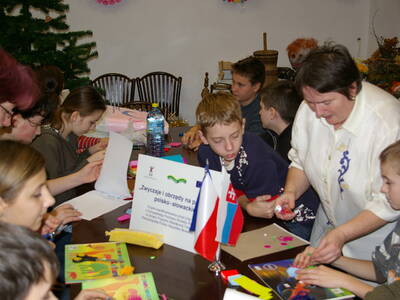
(94, 204)
(231, 294)
(112, 186)
(113, 176)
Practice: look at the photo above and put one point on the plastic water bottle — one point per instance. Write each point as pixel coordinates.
(155, 131)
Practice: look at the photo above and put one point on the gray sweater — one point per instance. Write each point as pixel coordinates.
(61, 157)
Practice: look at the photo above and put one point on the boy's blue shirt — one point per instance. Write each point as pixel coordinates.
(258, 170)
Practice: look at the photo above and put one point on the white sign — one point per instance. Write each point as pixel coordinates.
(164, 198)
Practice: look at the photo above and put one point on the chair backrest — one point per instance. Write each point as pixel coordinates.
(162, 88)
(118, 88)
(224, 70)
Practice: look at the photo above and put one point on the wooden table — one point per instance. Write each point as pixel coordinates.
(178, 274)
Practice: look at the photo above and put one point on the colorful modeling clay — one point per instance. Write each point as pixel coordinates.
(124, 217)
(226, 273)
(135, 237)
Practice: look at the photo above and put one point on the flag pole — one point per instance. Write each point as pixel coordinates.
(217, 266)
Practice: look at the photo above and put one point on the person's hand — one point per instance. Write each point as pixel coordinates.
(322, 276)
(90, 172)
(99, 155)
(50, 223)
(101, 145)
(330, 247)
(287, 202)
(92, 295)
(261, 208)
(303, 259)
(66, 213)
(191, 138)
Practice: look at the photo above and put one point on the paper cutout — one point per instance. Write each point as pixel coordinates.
(251, 244)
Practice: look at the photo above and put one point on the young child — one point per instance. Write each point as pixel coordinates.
(385, 264)
(26, 126)
(248, 77)
(257, 172)
(28, 266)
(79, 113)
(278, 107)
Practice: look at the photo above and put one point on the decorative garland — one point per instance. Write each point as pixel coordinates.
(235, 1)
(108, 2)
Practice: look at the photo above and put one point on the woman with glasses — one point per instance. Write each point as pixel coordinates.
(18, 87)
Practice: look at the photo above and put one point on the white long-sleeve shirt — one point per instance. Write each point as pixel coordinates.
(343, 165)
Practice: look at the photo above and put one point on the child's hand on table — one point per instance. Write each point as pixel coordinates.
(304, 259)
(66, 213)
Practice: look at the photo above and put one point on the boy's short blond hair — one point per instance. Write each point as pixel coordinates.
(391, 155)
(218, 108)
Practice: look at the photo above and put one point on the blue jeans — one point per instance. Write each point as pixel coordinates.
(303, 230)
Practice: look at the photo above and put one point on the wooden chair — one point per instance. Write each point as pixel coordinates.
(162, 88)
(118, 89)
(224, 82)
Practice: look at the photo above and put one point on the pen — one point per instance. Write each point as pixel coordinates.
(51, 235)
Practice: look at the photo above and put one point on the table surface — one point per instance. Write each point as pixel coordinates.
(178, 274)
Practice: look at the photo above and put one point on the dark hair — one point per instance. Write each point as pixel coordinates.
(84, 100)
(46, 107)
(24, 255)
(51, 79)
(252, 68)
(18, 83)
(329, 68)
(18, 163)
(283, 96)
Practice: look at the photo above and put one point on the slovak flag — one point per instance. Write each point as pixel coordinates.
(230, 216)
(212, 218)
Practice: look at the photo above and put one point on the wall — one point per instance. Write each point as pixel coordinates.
(189, 37)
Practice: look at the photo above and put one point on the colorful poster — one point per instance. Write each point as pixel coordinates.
(137, 286)
(279, 275)
(94, 261)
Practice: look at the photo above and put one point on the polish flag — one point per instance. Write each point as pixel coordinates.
(204, 222)
(215, 220)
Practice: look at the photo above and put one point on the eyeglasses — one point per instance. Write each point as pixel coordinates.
(9, 113)
(34, 124)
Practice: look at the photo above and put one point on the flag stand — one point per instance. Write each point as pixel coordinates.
(217, 266)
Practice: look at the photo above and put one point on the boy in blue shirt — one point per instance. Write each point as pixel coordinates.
(248, 77)
(257, 172)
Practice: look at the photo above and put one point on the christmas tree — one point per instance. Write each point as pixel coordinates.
(35, 38)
